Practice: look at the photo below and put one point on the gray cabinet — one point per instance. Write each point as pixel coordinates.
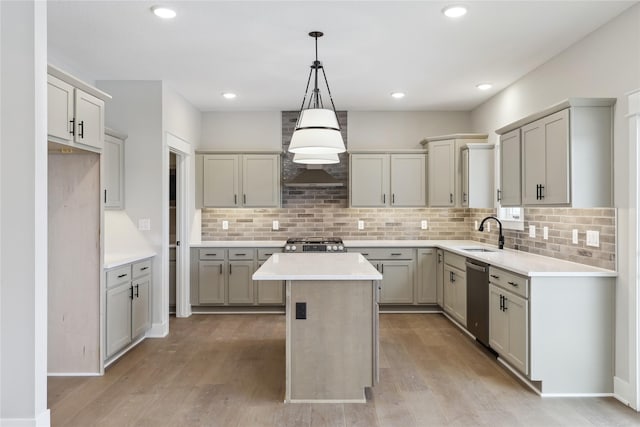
(398, 267)
(128, 305)
(269, 292)
(509, 317)
(211, 282)
(477, 172)
(455, 287)
(113, 165)
(237, 180)
(509, 193)
(427, 276)
(440, 278)
(387, 179)
(240, 282)
(74, 116)
(566, 154)
(442, 173)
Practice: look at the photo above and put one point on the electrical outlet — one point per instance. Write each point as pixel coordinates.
(360, 225)
(593, 238)
(144, 224)
(276, 225)
(545, 233)
(423, 224)
(475, 225)
(574, 236)
(488, 227)
(532, 231)
(225, 225)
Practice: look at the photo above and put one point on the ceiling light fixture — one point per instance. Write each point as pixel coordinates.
(163, 12)
(454, 11)
(398, 95)
(317, 130)
(316, 159)
(229, 95)
(484, 86)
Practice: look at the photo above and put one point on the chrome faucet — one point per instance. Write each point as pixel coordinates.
(501, 237)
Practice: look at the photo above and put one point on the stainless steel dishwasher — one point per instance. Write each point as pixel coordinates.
(478, 300)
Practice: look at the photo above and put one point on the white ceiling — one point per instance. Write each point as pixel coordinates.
(261, 51)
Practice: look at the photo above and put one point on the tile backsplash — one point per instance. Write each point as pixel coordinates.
(319, 218)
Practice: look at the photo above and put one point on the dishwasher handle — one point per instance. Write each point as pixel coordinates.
(476, 267)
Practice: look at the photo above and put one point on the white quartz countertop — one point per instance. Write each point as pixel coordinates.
(519, 262)
(117, 259)
(317, 266)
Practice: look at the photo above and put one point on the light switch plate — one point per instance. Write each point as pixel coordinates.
(545, 233)
(532, 231)
(593, 238)
(225, 225)
(144, 224)
(423, 224)
(360, 225)
(276, 225)
(574, 236)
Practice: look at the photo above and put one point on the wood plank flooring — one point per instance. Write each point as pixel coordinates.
(228, 370)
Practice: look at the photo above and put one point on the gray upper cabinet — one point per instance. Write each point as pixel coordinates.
(388, 180)
(509, 193)
(237, 180)
(442, 173)
(566, 154)
(113, 165)
(60, 109)
(477, 171)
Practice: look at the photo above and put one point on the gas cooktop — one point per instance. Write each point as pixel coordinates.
(314, 244)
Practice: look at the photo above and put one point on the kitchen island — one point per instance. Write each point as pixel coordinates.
(331, 324)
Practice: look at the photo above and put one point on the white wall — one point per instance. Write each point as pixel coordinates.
(606, 63)
(258, 130)
(23, 213)
(402, 129)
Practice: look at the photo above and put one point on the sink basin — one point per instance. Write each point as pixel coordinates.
(478, 250)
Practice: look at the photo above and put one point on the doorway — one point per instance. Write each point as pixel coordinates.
(172, 232)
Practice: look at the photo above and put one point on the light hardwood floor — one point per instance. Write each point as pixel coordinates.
(228, 370)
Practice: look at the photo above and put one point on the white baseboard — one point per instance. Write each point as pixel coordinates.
(42, 420)
(74, 374)
(158, 330)
(623, 391)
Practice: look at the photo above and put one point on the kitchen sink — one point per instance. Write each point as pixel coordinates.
(478, 250)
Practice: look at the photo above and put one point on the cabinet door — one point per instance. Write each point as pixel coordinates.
(440, 278)
(397, 281)
(113, 161)
(118, 318)
(408, 180)
(441, 173)
(220, 186)
(261, 180)
(498, 322)
(270, 292)
(369, 180)
(510, 171)
(59, 109)
(460, 303)
(464, 165)
(140, 306)
(449, 291)
(211, 282)
(240, 282)
(89, 120)
(427, 267)
(533, 152)
(556, 130)
(517, 313)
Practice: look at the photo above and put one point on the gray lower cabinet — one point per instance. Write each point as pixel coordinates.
(398, 268)
(269, 292)
(455, 287)
(128, 303)
(427, 280)
(240, 282)
(211, 282)
(440, 278)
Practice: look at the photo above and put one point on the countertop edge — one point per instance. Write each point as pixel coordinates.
(120, 260)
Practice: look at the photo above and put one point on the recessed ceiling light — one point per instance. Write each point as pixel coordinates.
(229, 95)
(398, 95)
(163, 12)
(454, 11)
(484, 86)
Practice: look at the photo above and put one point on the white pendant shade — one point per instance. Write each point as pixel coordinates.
(316, 159)
(317, 132)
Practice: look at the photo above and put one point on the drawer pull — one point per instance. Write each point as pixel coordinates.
(240, 254)
(395, 254)
(122, 275)
(364, 254)
(144, 268)
(513, 284)
(210, 254)
(495, 277)
(268, 254)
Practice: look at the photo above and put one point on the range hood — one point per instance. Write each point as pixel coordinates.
(314, 176)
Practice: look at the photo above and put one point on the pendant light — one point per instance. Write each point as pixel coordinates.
(317, 130)
(316, 159)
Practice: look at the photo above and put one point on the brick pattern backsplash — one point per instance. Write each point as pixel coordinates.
(561, 222)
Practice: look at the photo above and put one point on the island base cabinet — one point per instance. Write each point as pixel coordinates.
(118, 318)
(508, 327)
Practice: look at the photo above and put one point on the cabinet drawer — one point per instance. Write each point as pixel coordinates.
(241, 254)
(384, 253)
(119, 275)
(512, 282)
(456, 261)
(264, 253)
(142, 268)
(212, 253)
